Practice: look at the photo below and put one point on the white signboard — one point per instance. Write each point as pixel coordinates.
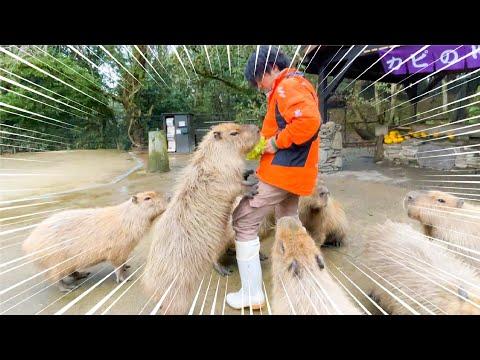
(169, 121)
(171, 146)
(179, 131)
(170, 131)
(182, 123)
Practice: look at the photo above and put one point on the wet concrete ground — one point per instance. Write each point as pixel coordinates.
(370, 194)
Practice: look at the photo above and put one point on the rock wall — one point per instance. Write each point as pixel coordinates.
(433, 156)
(331, 145)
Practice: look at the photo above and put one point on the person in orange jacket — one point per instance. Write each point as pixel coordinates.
(288, 167)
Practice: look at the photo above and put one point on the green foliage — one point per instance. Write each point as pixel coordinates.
(109, 108)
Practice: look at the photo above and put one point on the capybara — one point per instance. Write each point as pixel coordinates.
(91, 236)
(411, 262)
(322, 216)
(446, 217)
(191, 234)
(302, 284)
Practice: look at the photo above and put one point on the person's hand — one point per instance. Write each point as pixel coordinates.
(271, 147)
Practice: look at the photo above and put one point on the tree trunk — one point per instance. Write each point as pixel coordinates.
(392, 104)
(377, 99)
(444, 95)
(379, 149)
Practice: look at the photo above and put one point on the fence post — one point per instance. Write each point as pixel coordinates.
(157, 152)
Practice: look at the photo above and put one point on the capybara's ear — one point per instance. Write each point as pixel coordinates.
(294, 267)
(460, 203)
(217, 135)
(134, 199)
(320, 262)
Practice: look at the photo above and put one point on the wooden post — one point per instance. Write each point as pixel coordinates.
(157, 152)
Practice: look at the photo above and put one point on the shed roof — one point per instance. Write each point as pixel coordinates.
(319, 55)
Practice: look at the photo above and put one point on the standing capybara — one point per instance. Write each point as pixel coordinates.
(91, 236)
(322, 216)
(301, 283)
(191, 234)
(446, 217)
(412, 263)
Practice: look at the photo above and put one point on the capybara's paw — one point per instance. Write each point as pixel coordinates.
(77, 275)
(222, 270)
(263, 257)
(64, 287)
(247, 173)
(374, 297)
(121, 275)
(126, 266)
(230, 252)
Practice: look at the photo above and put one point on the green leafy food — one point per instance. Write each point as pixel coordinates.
(257, 151)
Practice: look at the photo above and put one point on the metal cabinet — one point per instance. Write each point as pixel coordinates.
(180, 132)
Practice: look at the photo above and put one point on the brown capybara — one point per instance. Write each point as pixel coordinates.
(302, 284)
(446, 217)
(191, 234)
(412, 263)
(323, 217)
(91, 236)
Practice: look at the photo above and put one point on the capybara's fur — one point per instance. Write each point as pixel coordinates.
(298, 270)
(407, 259)
(98, 234)
(267, 225)
(191, 234)
(322, 216)
(446, 217)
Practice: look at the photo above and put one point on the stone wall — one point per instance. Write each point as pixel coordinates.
(330, 151)
(413, 153)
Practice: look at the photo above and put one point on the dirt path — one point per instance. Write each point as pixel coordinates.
(369, 194)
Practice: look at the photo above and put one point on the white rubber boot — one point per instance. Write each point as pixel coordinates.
(251, 292)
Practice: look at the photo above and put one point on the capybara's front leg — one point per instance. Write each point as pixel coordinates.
(120, 270)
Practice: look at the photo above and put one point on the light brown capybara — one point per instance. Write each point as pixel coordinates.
(446, 217)
(302, 285)
(191, 234)
(412, 263)
(80, 238)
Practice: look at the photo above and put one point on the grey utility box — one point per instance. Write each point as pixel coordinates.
(180, 132)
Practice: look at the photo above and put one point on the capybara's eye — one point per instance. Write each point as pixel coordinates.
(322, 194)
(441, 201)
(235, 133)
(147, 198)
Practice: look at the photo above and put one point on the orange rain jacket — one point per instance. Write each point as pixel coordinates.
(294, 120)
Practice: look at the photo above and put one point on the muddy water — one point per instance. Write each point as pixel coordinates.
(79, 179)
